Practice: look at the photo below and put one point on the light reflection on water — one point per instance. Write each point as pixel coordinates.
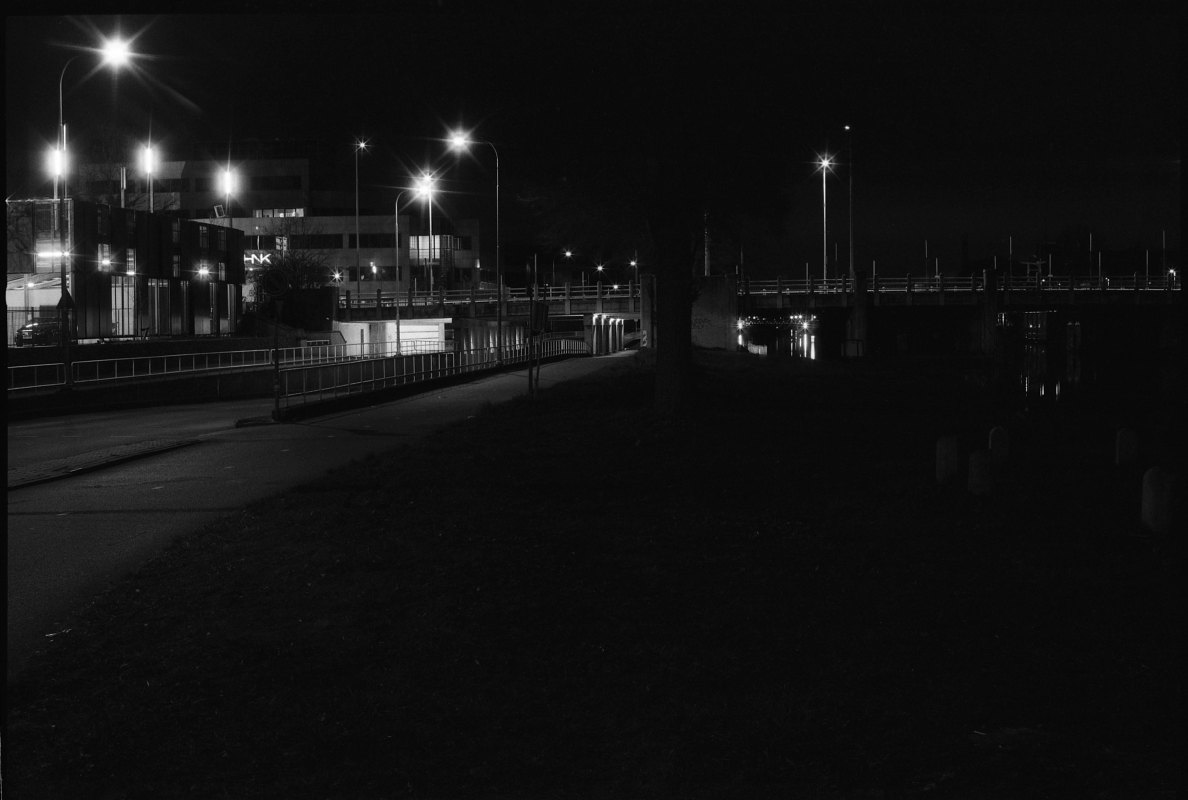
(1052, 356)
(791, 337)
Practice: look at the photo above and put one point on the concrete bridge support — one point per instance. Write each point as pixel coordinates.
(856, 321)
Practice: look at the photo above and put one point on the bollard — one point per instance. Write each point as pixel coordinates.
(1163, 500)
(1126, 448)
(1000, 444)
(948, 460)
(981, 473)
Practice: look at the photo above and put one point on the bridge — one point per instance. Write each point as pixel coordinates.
(939, 290)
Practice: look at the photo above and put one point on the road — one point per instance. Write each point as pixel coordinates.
(93, 496)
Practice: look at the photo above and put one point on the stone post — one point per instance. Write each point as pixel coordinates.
(981, 473)
(948, 460)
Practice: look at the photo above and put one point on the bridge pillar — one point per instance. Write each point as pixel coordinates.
(647, 310)
(568, 298)
(779, 292)
(989, 316)
(856, 320)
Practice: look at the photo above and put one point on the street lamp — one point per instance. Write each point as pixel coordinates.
(115, 53)
(425, 189)
(396, 246)
(148, 163)
(360, 145)
(850, 171)
(228, 188)
(461, 141)
(825, 164)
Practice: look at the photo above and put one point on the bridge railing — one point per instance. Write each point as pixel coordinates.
(92, 371)
(321, 382)
(966, 283)
(422, 298)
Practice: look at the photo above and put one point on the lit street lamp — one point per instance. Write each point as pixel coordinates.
(228, 188)
(396, 247)
(115, 53)
(461, 141)
(360, 145)
(148, 162)
(425, 189)
(850, 171)
(825, 164)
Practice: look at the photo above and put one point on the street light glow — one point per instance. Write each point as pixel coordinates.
(116, 52)
(148, 159)
(426, 185)
(459, 140)
(228, 181)
(56, 162)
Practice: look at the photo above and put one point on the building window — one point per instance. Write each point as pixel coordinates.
(103, 220)
(177, 265)
(203, 184)
(176, 231)
(203, 237)
(222, 271)
(123, 294)
(130, 261)
(104, 258)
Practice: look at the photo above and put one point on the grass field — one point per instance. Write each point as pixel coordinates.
(766, 596)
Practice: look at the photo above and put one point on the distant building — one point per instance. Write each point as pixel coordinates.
(288, 196)
(128, 273)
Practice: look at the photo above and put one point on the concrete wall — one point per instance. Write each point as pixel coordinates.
(715, 313)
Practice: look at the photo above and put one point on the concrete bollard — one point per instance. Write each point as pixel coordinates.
(1163, 500)
(981, 473)
(1000, 444)
(1126, 446)
(948, 459)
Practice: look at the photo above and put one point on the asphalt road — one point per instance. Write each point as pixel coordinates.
(92, 497)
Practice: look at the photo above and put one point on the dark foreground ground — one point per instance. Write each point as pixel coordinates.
(768, 597)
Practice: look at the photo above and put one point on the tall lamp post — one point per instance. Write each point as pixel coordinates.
(148, 161)
(461, 141)
(825, 163)
(228, 188)
(396, 247)
(115, 53)
(360, 146)
(425, 189)
(850, 148)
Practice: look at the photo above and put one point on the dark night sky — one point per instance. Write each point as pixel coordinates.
(986, 123)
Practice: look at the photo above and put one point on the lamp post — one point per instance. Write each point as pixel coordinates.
(396, 247)
(425, 189)
(115, 53)
(148, 162)
(460, 141)
(850, 148)
(825, 163)
(228, 188)
(360, 146)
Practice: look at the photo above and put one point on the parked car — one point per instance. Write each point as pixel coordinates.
(39, 331)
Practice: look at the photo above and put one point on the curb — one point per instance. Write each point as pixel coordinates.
(89, 462)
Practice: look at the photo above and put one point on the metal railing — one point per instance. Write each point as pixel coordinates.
(315, 383)
(510, 295)
(93, 371)
(967, 283)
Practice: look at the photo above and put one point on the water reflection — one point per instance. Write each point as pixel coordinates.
(794, 336)
(1051, 355)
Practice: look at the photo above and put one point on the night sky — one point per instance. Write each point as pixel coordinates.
(969, 126)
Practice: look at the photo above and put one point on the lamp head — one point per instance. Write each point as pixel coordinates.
(459, 140)
(116, 52)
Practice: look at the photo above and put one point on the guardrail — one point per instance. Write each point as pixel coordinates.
(969, 283)
(94, 371)
(316, 383)
(482, 296)
(36, 376)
